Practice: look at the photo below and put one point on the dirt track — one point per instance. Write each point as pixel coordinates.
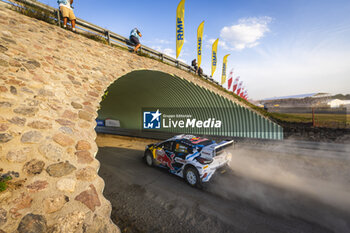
(272, 193)
(151, 200)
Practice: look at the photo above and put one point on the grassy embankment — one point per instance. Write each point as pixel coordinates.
(321, 120)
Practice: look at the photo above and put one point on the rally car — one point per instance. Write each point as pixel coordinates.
(193, 158)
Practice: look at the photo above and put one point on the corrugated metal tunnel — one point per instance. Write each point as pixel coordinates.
(131, 94)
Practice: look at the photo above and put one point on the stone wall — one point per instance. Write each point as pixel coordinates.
(51, 83)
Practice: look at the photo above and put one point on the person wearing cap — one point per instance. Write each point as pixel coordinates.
(67, 12)
(135, 35)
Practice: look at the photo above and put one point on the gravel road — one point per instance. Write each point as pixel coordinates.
(148, 199)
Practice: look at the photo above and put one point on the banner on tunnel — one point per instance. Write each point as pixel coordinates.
(224, 66)
(199, 43)
(180, 27)
(214, 56)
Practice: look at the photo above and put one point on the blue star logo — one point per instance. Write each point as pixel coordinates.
(151, 120)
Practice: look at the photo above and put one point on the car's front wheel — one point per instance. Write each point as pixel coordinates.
(192, 177)
(149, 158)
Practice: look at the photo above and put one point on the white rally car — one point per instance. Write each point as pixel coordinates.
(193, 158)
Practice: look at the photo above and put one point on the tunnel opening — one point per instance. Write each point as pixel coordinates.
(137, 192)
(184, 107)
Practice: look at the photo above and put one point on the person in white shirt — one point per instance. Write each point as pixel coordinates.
(67, 12)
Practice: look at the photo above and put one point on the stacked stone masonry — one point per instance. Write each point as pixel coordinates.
(51, 83)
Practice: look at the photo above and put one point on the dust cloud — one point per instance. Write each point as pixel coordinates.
(313, 187)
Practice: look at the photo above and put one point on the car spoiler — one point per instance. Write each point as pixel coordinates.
(215, 149)
(221, 146)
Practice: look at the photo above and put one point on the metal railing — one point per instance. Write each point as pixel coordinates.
(111, 37)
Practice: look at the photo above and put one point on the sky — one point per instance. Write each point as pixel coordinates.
(277, 47)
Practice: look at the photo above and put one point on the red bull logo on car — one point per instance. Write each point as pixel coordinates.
(163, 158)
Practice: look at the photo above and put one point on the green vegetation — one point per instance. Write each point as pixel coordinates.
(297, 118)
(342, 97)
(119, 47)
(34, 12)
(4, 182)
(321, 120)
(95, 37)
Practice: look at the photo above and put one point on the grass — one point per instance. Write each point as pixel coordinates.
(119, 47)
(34, 12)
(321, 120)
(4, 182)
(95, 37)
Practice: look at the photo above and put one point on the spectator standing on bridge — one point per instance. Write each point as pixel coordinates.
(194, 64)
(135, 35)
(200, 71)
(67, 12)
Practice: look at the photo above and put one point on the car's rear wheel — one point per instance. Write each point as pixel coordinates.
(149, 158)
(192, 177)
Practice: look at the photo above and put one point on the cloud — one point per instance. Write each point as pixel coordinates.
(171, 52)
(245, 34)
(221, 43)
(161, 41)
(168, 51)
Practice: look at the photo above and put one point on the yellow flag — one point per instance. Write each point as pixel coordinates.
(214, 57)
(180, 27)
(199, 43)
(224, 66)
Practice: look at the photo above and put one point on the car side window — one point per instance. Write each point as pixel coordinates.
(180, 148)
(167, 146)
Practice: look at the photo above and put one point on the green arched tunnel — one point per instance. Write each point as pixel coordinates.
(133, 95)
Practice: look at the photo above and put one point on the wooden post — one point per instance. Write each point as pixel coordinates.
(108, 34)
(58, 17)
